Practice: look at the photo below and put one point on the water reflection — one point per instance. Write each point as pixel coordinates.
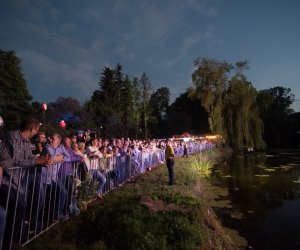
(264, 190)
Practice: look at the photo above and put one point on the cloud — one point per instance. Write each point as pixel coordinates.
(69, 51)
(135, 27)
(56, 76)
(187, 44)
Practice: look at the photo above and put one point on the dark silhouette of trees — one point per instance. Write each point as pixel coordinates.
(116, 106)
(105, 103)
(159, 102)
(222, 101)
(14, 95)
(275, 111)
(186, 114)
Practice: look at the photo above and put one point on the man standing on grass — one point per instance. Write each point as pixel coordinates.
(169, 155)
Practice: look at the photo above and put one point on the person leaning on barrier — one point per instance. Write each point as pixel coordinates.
(5, 161)
(27, 174)
(53, 177)
(9, 203)
(82, 169)
(69, 172)
(68, 167)
(39, 144)
(92, 164)
(20, 148)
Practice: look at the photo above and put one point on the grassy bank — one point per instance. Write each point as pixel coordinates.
(145, 214)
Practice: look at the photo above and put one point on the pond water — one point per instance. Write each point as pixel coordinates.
(264, 193)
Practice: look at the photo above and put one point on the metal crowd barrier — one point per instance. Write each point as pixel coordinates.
(34, 199)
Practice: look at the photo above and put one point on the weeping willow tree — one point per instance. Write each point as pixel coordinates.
(211, 82)
(243, 124)
(230, 102)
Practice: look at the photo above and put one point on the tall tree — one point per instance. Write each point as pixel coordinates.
(105, 102)
(118, 82)
(14, 96)
(186, 114)
(211, 82)
(274, 107)
(130, 103)
(244, 126)
(136, 111)
(146, 89)
(159, 102)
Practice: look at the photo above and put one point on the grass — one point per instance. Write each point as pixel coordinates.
(202, 164)
(144, 214)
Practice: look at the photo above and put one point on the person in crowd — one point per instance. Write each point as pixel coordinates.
(185, 150)
(169, 155)
(124, 151)
(108, 157)
(5, 162)
(68, 167)
(81, 147)
(105, 152)
(86, 136)
(39, 149)
(92, 164)
(76, 149)
(40, 145)
(74, 138)
(28, 174)
(41, 137)
(82, 168)
(9, 201)
(53, 175)
(20, 148)
(93, 150)
(115, 172)
(135, 164)
(68, 174)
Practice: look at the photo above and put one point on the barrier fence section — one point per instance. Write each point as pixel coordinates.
(34, 199)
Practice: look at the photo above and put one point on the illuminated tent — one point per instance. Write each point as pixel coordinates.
(186, 134)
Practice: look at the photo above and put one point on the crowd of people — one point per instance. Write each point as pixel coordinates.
(40, 175)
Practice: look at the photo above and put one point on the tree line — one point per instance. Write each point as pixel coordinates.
(222, 101)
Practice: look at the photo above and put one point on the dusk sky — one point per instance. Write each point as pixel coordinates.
(65, 45)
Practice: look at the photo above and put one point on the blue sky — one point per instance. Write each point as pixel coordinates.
(64, 45)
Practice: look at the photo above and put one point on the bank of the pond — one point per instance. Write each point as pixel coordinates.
(148, 214)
